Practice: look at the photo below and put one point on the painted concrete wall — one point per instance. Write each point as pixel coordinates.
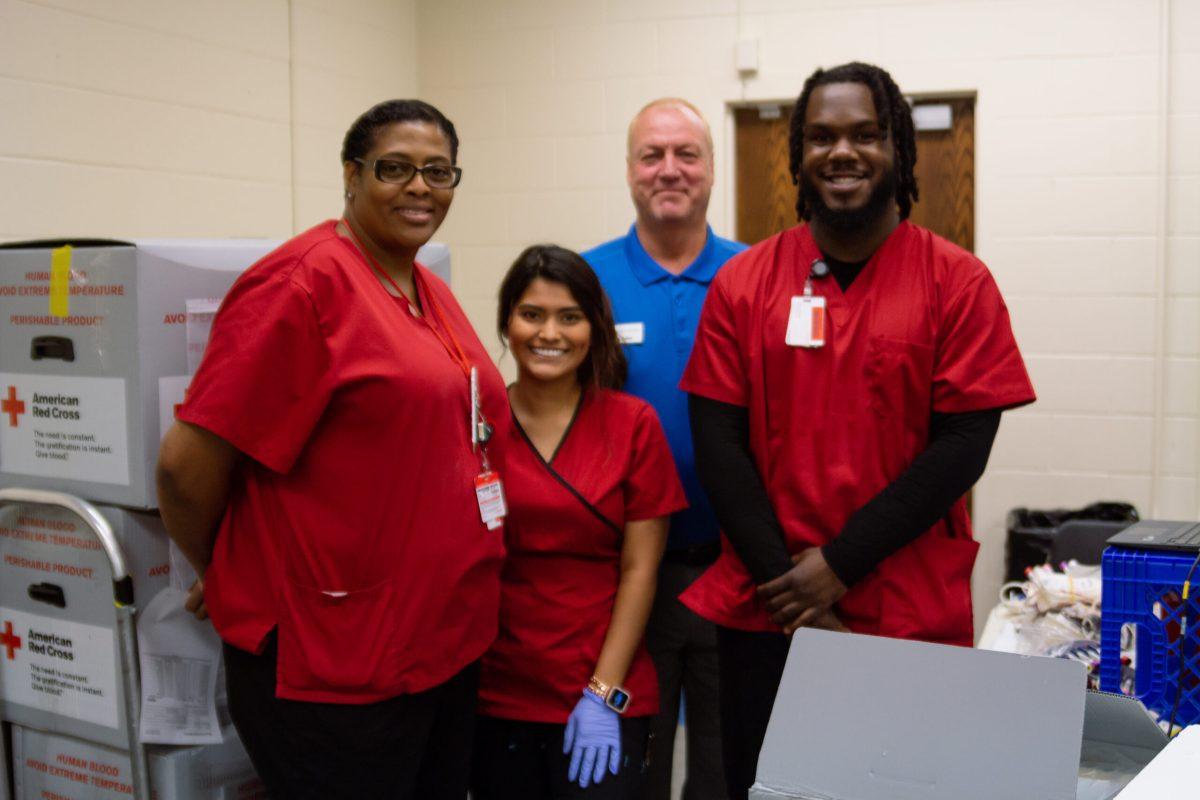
(224, 118)
(173, 118)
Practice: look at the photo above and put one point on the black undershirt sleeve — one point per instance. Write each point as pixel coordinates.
(958, 449)
(725, 466)
(954, 459)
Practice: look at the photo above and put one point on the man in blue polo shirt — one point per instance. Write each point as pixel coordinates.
(656, 277)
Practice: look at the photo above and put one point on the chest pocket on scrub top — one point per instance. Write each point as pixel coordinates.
(899, 378)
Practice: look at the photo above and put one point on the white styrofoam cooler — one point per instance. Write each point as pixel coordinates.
(50, 765)
(59, 657)
(85, 398)
(81, 393)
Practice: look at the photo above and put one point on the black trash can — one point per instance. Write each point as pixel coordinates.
(1039, 537)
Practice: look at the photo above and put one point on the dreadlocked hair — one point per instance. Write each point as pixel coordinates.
(895, 119)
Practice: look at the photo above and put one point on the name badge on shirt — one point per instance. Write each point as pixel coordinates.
(631, 332)
(489, 492)
(806, 323)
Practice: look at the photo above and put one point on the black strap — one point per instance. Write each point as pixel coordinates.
(597, 513)
(953, 459)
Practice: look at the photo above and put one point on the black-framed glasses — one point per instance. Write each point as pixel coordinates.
(436, 176)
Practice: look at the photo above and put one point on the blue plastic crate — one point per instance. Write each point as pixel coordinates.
(1144, 588)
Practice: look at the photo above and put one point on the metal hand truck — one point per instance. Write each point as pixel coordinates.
(124, 601)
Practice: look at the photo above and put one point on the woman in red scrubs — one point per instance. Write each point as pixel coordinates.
(567, 690)
(322, 478)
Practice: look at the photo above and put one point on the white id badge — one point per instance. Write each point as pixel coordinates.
(806, 323)
(490, 494)
(631, 332)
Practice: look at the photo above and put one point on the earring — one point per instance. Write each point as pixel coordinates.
(349, 195)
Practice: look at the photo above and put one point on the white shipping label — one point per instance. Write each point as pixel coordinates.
(631, 332)
(171, 392)
(64, 427)
(57, 666)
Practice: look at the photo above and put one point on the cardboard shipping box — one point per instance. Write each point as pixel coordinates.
(59, 664)
(94, 355)
(91, 336)
(47, 765)
(868, 718)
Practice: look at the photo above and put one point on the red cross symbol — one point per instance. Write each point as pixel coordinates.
(12, 406)
(9, 641)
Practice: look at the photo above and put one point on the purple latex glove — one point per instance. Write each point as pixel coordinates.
(593, 738)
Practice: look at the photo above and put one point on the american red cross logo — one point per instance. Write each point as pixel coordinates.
(12, 406)
(10, 641)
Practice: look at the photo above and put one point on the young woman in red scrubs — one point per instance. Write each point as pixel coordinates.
(567, 690)
(322, 478)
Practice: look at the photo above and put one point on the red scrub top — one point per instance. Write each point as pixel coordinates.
(353, 526)
(560, 579)
(921, 329)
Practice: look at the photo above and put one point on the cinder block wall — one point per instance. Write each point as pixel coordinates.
(224, 118)
(175, 118)
(1093, 235)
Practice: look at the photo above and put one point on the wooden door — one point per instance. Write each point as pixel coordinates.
(945, 174)
(945, 171)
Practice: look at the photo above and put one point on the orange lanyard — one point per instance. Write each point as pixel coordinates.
(456, 353)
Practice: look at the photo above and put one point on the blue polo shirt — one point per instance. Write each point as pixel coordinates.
(657, 314)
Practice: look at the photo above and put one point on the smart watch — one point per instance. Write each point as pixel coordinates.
(614, 697)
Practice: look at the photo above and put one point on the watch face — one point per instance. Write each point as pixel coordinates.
(618, 700)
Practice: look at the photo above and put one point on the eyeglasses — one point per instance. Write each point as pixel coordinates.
(436, 176)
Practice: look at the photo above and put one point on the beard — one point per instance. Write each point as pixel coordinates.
(853, 219)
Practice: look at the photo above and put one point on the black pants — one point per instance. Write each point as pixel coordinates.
(683, 646)
(524, 761)
(409, 747)
(751, 667)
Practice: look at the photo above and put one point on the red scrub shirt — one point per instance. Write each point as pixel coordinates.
(922, 329)
(560, 579)
(353, 526)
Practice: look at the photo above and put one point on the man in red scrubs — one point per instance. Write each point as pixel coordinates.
(845, 388)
